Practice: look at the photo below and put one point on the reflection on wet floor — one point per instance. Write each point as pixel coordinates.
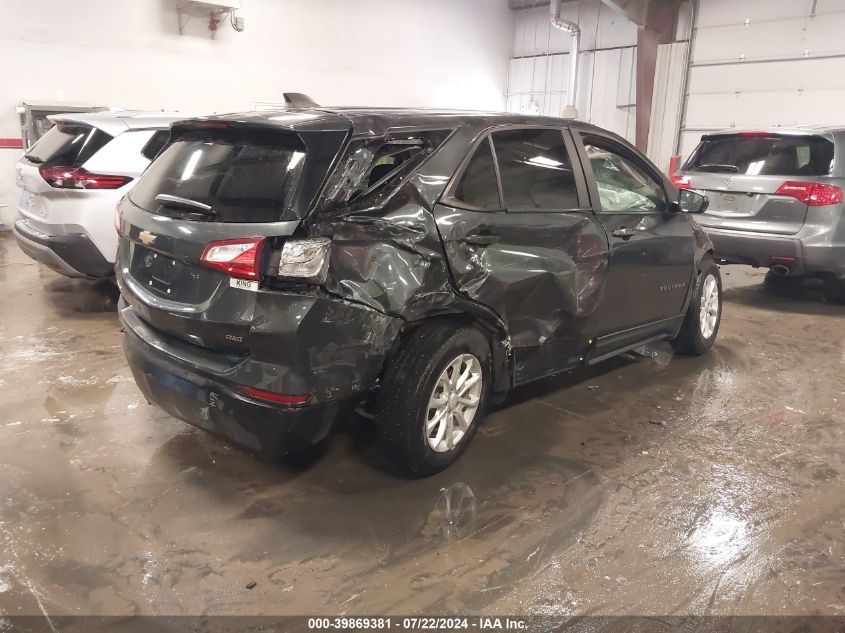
(650, 484)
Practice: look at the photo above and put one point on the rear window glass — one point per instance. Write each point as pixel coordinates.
(67, 144)
(535, 169)
(372, 170)
(763, 155)
(222, 179)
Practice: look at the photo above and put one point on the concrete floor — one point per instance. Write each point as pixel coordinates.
(644, 486)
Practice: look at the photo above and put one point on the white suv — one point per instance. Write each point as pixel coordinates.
(71, 181)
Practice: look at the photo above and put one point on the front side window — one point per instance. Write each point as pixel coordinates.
(535, 169)
(623, 185)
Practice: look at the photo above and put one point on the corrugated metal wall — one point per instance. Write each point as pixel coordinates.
(667, 103)
(607, 84)
(765, 62)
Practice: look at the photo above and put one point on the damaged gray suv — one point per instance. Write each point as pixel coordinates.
(277, 269)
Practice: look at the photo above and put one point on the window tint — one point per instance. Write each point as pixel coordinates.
(478, 186)
(155, 144)
(623, 185)
(242, 181)
(68, 145)
(535, 169)
(762, 155)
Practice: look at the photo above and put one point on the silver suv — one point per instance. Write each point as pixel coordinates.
(775, 200)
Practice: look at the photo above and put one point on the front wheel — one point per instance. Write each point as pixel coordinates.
(433, 396)
(701, 324)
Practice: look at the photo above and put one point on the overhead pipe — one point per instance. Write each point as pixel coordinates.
(570, 111)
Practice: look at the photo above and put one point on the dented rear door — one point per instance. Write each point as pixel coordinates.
(520, 239)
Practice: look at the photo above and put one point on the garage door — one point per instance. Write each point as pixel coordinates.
(765, 62)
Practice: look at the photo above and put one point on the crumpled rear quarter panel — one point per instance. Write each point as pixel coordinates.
(320, 345)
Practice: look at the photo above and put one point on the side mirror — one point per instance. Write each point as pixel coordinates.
(692, 202)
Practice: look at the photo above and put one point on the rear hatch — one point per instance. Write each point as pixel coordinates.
(221, 190)
(63, 149)
(759, 181)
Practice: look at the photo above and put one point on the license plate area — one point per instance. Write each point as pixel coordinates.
(164, 276)
(162, 271)
(732, 203)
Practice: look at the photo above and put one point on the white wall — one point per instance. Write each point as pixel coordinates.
(444, 53)
(607, 74)
(762, 63)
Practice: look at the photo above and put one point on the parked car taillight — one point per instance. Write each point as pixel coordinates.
(813, 194)
(79, 178)
(681, 182)
(237, 258)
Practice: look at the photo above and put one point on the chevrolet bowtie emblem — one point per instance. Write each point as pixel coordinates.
(147, 238)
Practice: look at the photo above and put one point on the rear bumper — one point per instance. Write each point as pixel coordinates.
(765, 250)
(205, 399)
(72, 254)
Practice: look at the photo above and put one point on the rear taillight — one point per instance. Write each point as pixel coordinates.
(78, 178)
(681, 182)
(813, 194)
(237, 258)
(276, 398)
(304, 260)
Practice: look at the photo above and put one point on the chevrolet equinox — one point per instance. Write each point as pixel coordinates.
(279, 268)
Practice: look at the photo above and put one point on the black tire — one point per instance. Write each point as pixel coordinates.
(834, 290)
(408, 384)
(783, 285)
(690, 339)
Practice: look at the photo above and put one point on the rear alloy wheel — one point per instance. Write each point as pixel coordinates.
(433, 395)
(701, 324)
(454, 403)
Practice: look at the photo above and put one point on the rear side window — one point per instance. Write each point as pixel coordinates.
(155, 144)
(535, 169)
(373, 169)
(762, 155)
(478, 186)
(223, 179)
(68, 145)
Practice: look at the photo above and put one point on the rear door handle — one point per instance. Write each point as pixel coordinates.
(624, 232)
(481, 239)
